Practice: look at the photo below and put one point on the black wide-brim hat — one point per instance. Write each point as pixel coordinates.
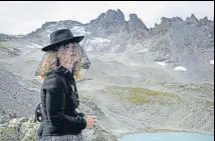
(62, 36)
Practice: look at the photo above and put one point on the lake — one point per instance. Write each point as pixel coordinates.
(167, 136)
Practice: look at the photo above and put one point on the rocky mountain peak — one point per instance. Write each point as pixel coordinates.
(192, 20)
(107, 23)
(170, 21)
(111, 16)
(166, 24)
(135, 23)
(204, 21)
(133, 17)
(54, 24)
(193, 17)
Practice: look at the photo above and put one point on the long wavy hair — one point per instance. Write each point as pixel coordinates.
(48, 63)
(52, 58)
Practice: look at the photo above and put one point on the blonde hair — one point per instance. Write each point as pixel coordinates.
(47, 64)
(49, 61)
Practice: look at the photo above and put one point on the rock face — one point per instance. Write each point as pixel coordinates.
(140, 76)
(187, 43)
(112, 21)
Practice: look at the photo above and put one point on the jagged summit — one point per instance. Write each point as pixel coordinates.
(110, 16)
(136, 23)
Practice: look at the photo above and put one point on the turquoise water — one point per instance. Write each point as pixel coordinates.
(170, 136)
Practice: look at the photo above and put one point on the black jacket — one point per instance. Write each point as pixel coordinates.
(59, 102)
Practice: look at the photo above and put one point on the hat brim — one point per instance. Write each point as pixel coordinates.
(76, 39)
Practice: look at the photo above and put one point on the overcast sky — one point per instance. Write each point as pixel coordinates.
(23, 17)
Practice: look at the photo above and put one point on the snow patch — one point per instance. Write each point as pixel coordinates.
(161, 63)
(101, 40)
(78, 30)
(180, 68)
(144, 50)
(33, 45)
(211, 62)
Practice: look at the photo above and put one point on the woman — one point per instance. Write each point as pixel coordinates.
(59, 95)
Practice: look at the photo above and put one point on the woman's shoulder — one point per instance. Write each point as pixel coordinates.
(53, 81)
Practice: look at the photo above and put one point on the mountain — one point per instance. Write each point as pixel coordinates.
(6, 37)
(174, 43)
(144, 79)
